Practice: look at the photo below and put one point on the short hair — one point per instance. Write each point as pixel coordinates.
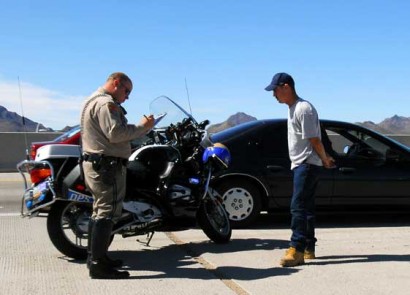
(120, 76)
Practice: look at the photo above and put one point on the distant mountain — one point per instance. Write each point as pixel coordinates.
(12, 122)
(66, 128)
(233, 120)
(394, 125)
(373, 126)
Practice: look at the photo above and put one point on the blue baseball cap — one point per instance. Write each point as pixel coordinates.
(280, 79)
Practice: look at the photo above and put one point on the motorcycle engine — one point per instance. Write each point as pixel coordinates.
(144, 211)
(179, 192)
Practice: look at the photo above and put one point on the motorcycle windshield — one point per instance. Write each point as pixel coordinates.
(167, 112)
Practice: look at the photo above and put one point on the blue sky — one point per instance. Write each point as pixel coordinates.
(349, 58)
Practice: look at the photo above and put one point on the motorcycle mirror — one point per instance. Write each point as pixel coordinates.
(203, 124)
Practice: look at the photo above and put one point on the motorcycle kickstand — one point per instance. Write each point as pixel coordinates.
(149, 238)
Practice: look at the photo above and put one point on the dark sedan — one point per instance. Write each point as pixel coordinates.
(373, 171)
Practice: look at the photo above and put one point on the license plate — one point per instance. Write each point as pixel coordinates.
(36, 195)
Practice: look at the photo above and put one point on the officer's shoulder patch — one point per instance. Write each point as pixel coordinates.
(113, 107)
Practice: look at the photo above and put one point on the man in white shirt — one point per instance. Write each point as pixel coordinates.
(307, 156)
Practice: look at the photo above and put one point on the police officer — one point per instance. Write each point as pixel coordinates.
(106, 137)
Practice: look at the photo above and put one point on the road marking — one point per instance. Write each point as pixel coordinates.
(11, 180)
(9, 214)
(207, 265)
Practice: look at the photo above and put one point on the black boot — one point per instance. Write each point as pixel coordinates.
(100, 268)
(90, 232)
(108, 260)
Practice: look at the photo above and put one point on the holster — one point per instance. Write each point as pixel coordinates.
(95, 159)
(80, 163)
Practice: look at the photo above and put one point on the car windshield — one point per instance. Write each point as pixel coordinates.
(68, 134)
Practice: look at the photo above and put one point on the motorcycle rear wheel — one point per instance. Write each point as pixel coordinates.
(67, 227)
(214, 221)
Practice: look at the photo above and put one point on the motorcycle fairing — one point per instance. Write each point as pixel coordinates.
(73, 187)
(149, 164)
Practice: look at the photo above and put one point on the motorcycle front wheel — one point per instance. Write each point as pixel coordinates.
(67, 227)
(214, 221)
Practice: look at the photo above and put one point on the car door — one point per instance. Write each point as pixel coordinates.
(275, 162)
(367, 173)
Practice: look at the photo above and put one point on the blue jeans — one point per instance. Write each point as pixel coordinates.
(302, 207)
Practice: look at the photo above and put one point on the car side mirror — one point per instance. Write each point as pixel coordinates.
(203, 124)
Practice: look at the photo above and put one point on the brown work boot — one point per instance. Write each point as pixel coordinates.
(309, 254)
(292, 258)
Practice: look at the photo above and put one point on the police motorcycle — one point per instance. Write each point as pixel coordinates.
(168, 187)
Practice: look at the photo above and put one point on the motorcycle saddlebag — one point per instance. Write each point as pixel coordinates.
(74, 188)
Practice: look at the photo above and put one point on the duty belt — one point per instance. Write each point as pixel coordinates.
(97, 158)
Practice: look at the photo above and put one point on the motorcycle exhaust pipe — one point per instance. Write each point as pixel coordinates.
(129, 228)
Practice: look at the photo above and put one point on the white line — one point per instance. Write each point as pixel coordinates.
(9, 214)
(5, 180)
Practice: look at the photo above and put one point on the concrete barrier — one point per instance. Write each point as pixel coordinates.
(13, 146)
(404, 139)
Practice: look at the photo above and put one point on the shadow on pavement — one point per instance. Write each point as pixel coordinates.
(181, 261)
(346, 259)
(175, 261)
(336, 219)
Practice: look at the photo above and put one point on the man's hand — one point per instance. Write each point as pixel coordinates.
(328, 162)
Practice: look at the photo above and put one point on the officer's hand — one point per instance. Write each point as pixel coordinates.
(148, 122)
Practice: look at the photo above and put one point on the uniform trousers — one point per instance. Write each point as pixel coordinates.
(107, 186)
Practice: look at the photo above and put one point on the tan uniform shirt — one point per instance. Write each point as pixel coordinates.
(104, 128)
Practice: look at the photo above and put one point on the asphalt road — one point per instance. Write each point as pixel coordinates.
(367, 254)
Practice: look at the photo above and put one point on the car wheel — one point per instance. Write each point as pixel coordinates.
(241, 200)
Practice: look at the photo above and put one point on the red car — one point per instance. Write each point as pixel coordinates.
(72, 136)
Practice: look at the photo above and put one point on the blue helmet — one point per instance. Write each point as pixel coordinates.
(217, 151)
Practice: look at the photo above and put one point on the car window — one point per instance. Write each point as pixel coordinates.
(356, 143)
(68, 134)
(372, 142)
(338, 142)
